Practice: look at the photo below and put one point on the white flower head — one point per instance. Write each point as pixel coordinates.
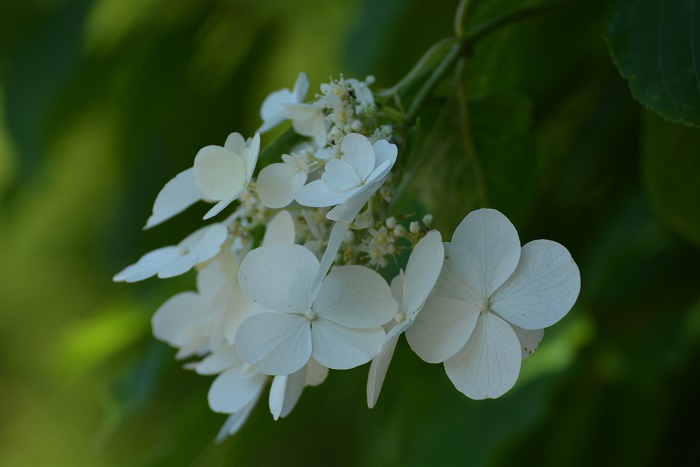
(350, 181)
(489, 287)
(172, 261)
(338, 321)
(410, 291)
(222, 173)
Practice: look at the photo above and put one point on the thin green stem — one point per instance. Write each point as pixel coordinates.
(460, 17)
(432, 81)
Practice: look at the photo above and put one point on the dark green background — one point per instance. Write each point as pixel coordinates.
(104, 101)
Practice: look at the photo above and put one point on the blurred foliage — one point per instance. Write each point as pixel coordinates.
(103, 101)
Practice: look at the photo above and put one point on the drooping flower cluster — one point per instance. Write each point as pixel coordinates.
(308, 297)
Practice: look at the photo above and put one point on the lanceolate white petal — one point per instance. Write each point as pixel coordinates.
(279, 276)
(177, 266)
(355, 296)
(340, 348)
(250, 156)
(235, 421)
(177, 195)
(221, 360)
(488, 366)
(380, 363)
(542, 289)
(272, 109)
(233, 389)
(276, 343)
(301, 87)
(317, 194)
(485, 250)
(285, 392)
(529, 339)
(397, 284)
(422, 271)
(148, 265)
(441, 328)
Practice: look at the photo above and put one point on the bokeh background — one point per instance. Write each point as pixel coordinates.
(103, 101)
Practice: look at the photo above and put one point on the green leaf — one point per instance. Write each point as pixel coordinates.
(671, 169)
(656, 46)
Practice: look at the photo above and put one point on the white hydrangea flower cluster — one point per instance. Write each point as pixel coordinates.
(308, 297)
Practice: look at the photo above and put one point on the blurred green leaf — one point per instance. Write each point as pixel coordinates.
(671, 168)
(656, 46)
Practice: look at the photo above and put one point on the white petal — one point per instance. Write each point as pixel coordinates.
(148, 265)
(359, 153)
(317, 194)
(220, 206)
(301, 87)
(280, 229)
(355, 296)
(348, 210)
(340, 348)
(441, 328)
(542, 289)
(278, 184)
(422, 271)
(276, 343)
(235, 421)
(279, 276)
(205, 242)
(485, 250)
(223, 359)
(272, 109)
(285, 392)
(219, 174)
(315, 373)
(384, 151)
(340, 229)
(488, 366)
(175, 321)
(235, 142)
(340, 176)
(307, 120)
(529, 339)
(250, 156)
(177, 195)
(380, 363)
(177, 266)
(378, 174)
(217, 275)
(397, 288)
(232, 390)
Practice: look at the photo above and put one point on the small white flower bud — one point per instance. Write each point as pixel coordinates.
(356, 126)
(400, 231)
(428, 220)
(349, 237)
(391, 222)
(414, 227)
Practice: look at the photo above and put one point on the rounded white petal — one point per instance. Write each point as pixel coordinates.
(359, 153)
(422, 271)
(542, 289)
(485, 250)
(308, 120)
(380, 363)
(278, 184)
(317, 194)
(219, 174)
(232, 390)
(148, 265)
(279, 276)
(441, 328)
(280, 229)
(384, 151)
(355, 296)
(488, 366)
(235, 142)
(285, 392)
(176, 321)
(177, 266)
(206, 242)
(177, 195)
(315, 373)
(217, 275)
(341, 348)
(340, 176)
(529, 339)
(276, 343)
(272, 108)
